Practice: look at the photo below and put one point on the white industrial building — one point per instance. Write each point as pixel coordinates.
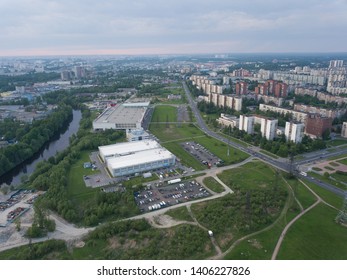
(122, 116)
(126, 148)
(140, 162)
(294, 132)
(135, 157)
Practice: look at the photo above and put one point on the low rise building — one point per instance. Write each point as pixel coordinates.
(296, 115)
(228, 121)
(137, 135)
(121, 116)
(135, 157)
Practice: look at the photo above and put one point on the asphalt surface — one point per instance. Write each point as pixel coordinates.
(277, 163)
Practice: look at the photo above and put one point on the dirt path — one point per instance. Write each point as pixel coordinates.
(285, 230)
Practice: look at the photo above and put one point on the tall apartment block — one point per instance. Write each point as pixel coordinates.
(294, 131)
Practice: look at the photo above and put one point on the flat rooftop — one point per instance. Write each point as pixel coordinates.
(122, 114)
(128, 147)
(139, 158)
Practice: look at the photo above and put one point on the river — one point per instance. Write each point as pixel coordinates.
(58, 144)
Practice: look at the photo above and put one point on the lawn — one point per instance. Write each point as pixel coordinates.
(173, 132)
(327, 180)
(316, 236)
(164, 113)
(213, 185)
(305, 197)
(326, 195)
(220, 149)
(184, 157)
(77, 190)
(336, 142)
(180, 214)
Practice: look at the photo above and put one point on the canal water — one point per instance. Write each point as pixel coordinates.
(58, 144)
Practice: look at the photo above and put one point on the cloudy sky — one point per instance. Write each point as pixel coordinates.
(45, 27)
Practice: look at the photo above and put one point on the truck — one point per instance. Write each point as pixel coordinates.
(173, 181)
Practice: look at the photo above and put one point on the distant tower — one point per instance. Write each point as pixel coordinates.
(341, 217)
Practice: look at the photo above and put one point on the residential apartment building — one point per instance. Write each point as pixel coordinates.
(241, 88)
(294, 131)
(228, 101)
(297, 116)
(268, 127)
(228, 121)
(331, 113)
(316, 125)
(344, 130)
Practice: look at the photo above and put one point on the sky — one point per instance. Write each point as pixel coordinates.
(135, 27)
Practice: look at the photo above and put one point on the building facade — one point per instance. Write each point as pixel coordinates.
(316, 125)
(344, 130)
(294, 132)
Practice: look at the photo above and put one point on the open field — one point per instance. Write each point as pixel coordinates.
(327, 196)
(180, 214)
(164, 113)
(76, 189)
(336, 142)
(213, 185)
(173, 132)
(315, 236)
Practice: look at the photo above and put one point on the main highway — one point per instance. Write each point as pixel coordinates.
(277, 163)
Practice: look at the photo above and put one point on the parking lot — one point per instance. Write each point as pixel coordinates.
(160, 196)
(201, 153)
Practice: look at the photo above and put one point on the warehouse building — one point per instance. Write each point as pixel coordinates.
(135, 157)
(122, 116)
(126, 148)
(140, 162)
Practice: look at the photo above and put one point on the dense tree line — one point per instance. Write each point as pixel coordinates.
(8, 83)
(13, 130)
(32, 141)
(51, 176)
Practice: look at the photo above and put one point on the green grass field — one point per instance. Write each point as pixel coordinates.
(343, 161)
(305, 197)
(174, 132)
(316, 236)
(164, 113)
(220, 149)
(328, 180)
(328, 196)
(213, 185)
(77, 190)
(180, 214)
(336, 142)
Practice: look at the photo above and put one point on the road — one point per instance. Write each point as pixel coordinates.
(277, 163)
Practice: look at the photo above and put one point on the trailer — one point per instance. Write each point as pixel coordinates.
(173, 181)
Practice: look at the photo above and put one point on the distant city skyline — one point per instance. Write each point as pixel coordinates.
(144, 27)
